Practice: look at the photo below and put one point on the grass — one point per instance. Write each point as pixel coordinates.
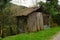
(0, 38)
(41, 35)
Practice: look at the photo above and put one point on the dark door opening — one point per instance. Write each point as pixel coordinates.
(21, 23)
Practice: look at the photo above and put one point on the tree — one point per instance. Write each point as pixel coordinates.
(3, 3)
(2, 6)
(51, 5)
(51, 8)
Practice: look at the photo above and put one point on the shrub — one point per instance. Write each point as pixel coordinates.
(56, 19)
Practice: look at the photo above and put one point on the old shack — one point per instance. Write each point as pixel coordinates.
(32, 19)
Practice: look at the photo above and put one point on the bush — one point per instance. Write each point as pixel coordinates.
(56, 19)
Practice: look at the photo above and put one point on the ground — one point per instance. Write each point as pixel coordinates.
(40, 35)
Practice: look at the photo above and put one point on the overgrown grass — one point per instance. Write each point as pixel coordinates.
(41, 35)
(0, 38)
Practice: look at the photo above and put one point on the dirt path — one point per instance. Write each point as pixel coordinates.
(56, 37)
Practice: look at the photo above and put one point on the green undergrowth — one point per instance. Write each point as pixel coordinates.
(40, 35)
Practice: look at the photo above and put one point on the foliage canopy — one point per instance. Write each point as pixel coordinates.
(3, 3)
